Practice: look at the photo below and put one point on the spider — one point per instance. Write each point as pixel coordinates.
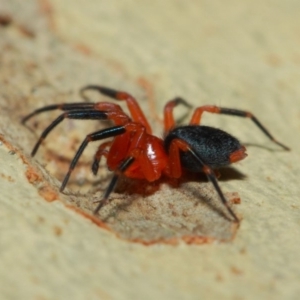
(136, 153)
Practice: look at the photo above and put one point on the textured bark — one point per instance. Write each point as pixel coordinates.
(243, 55)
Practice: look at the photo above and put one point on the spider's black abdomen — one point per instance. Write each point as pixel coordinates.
(213, 145)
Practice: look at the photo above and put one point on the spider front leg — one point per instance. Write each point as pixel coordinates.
(136, 155)
(196, 119)
(79, 115)
(78, 107)
(175, 169)
(135, 110)
(62, 106)
(83, 111)
(117, 131)
(118, 147)
(97, 112)
(132, 147)
(96, 136)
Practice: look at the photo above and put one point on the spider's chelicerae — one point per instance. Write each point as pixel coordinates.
(136, 153)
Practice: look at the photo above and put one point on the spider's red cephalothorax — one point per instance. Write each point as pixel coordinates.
(136, 153)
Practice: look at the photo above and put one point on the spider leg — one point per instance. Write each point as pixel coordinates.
(118, 117)
(81, 115)
(196, 118)
(136, 152)
(122, 168)
(178, 145)
(96, 136)
(101, 106)
(63, 106)
(102, 151)
(169, 122)
(135, 155)
(135, 149)
(135, 110)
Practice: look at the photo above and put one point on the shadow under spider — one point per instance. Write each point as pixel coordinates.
(136, 188)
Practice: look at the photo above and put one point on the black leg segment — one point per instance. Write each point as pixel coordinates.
(77, 114)
(122, 168)
(178, 100)
(245, 114)
(101, 89)
(96, 136)
(63, 106)
(212, 178)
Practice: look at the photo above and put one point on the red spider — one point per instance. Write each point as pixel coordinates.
(136, 153)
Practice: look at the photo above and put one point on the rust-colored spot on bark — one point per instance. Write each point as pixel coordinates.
(7, 177)
(58, 230)
(236, 271)
(26, 31)
(48, 193)
(83, 49)
(32, 175)
(89, 216)
(46, 8)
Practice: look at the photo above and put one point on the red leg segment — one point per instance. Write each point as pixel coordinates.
(169, 122)
(118, 150)
(134, 108)
(113, 112)
(174, 169)
(124, 145)
(143, 164)
(102, 151)
(196, 119)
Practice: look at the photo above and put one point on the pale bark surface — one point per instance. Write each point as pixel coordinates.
(243, 55)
